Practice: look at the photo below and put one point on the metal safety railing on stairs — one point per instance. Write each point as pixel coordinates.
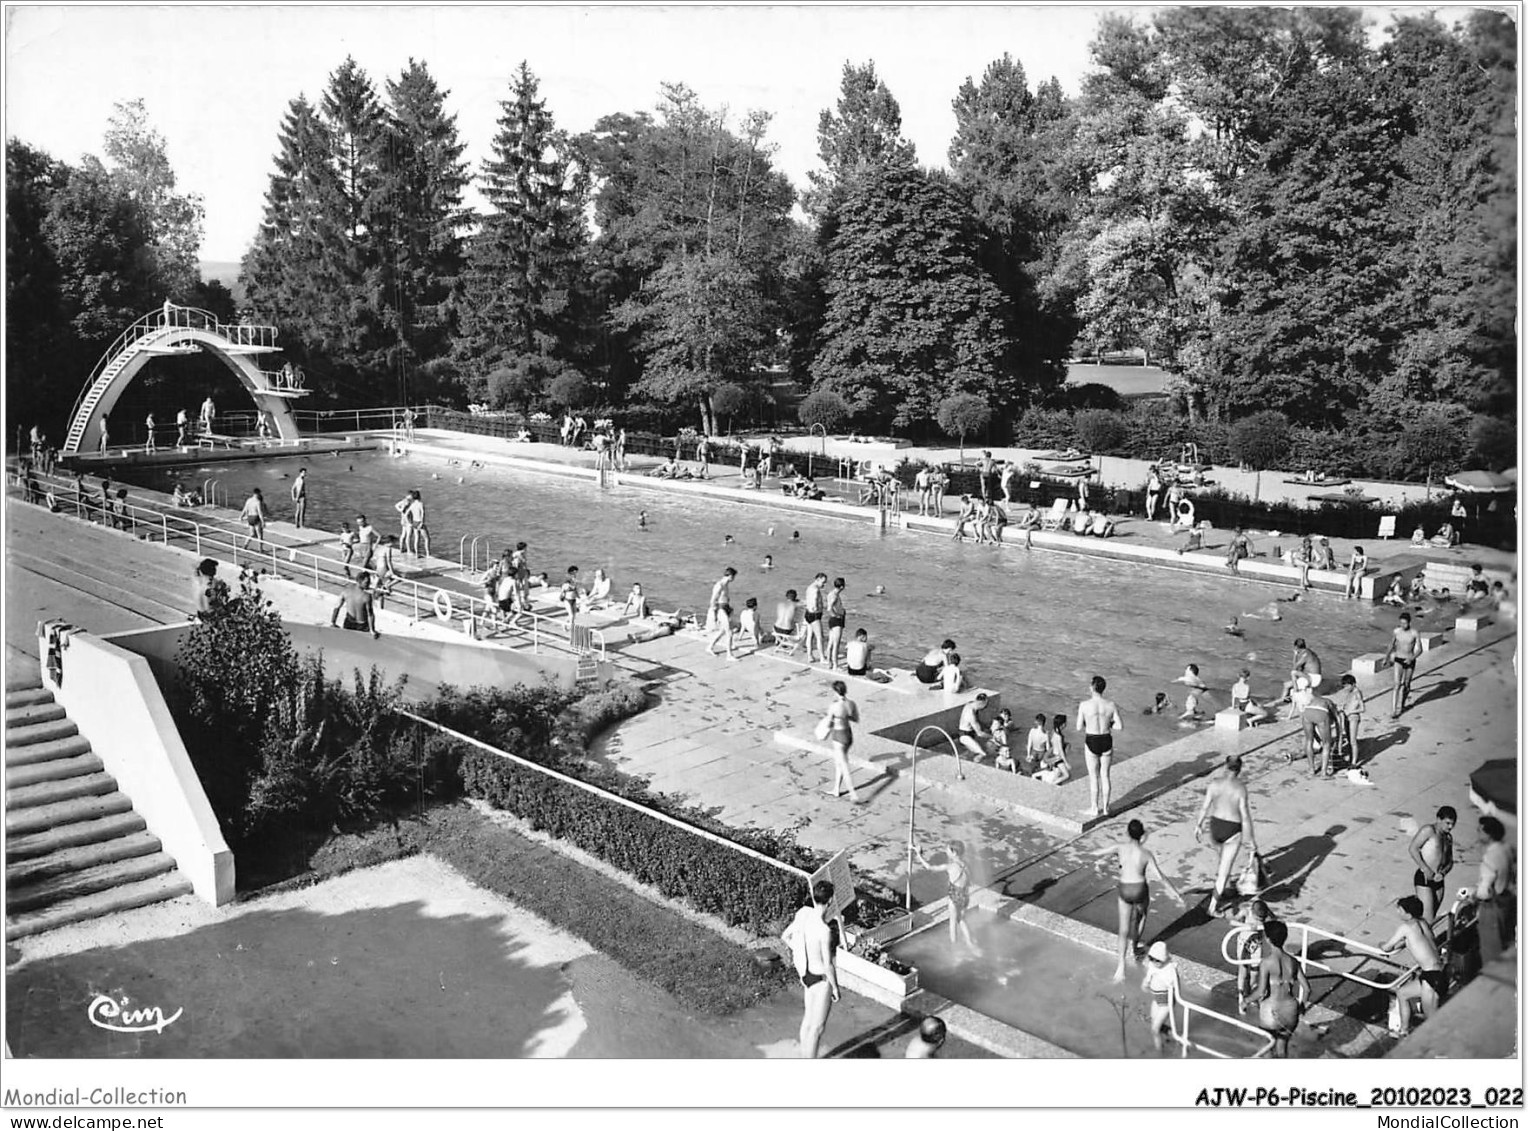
(1232, 946)
(1183, 1033)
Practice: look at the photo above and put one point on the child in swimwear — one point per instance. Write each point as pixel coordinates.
(1161, 982)
(1191, 711)
(1249, 951)
(1159, 704)
(1055, 768)
(748, 623)
(1036, 746)
(1000, 728)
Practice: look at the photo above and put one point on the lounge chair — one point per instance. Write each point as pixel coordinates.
(1053, 518)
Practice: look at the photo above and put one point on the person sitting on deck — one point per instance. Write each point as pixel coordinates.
(599, 591)
(1195, 540)
(668, 469)
(1446, 536)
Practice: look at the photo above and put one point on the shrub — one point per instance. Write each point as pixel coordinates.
(1099, 430)
(826, 408)
(551, 728)
(1493, 443)
(1092, 395)
(1260, 441)
(568, 389)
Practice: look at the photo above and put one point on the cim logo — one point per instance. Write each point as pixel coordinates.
(105, 1013)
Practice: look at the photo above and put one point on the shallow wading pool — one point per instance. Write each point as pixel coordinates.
(1035, 625)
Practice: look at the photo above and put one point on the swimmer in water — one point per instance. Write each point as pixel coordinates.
(1235, 628)
(880, 590)
(769, 562)
(1160, 704)
(795, 535)
(727, 539)
(642, 521)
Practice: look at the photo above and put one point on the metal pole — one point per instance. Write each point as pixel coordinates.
(912, 809)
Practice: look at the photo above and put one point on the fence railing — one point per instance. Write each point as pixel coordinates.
(1186, 1042)
(613, 798)
(477, 616)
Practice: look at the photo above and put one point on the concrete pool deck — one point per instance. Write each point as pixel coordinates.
(713, 739)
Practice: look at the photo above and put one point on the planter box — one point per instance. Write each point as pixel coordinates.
(874, 981)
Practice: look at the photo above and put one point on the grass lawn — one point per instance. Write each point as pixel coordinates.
(702, 970)
(1126, 380)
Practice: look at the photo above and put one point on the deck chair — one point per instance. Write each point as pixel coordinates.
(788, 644)
(1053, 518)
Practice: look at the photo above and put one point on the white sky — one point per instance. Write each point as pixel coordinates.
(216, 81)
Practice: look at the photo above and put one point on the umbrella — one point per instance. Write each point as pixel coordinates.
(1496, 781)
(1481, 482)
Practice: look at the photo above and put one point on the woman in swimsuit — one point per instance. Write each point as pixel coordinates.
(1282, 988)
(958, 891)
(1135, 859)
(836, 617)
(841, 713)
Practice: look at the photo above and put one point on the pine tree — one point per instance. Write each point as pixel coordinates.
(423, 179)
(519, 300)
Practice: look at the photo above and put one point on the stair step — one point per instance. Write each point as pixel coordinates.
(57, 837)
(32, 713)
(46, 793)
(86, 882)
(22, 696)
(55, 769)
(39, 732)
(24, 873)
(157, 889)
(47, 751)
(27, 679)
(64, 812)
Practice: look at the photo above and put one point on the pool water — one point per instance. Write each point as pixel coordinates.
(1034, 625)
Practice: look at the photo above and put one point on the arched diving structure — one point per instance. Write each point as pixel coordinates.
(175, 331)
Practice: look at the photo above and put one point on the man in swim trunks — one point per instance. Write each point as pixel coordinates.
(1319, 721)
(255, 515)
(1430, 986)
(984, 474)
(1097, 717)
(785, 621)
(929, 667)
(355, 604)
(811, 943)
(1135, 859)
(972, 725)
(300, 497)
(1405, 647)
(1229, 815)
(1432, 848)
(719, 615)
(812, 613)
(1304, 662)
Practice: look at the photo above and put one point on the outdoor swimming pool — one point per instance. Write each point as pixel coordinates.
(1034, 625)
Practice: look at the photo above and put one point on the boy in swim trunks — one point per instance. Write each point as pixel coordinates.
(1430, 986)
(971, 726)
(1036, 745)
(857, 653)
(1405, 646)
(1135, 862)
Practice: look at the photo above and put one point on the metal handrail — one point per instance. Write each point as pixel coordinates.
(1186, 1043)
(912, 798)
(325, 570)
(1240, 930)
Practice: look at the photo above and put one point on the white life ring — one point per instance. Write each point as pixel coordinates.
(443, 607)
(1185, 512)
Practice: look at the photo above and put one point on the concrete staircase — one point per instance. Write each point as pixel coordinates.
(75, 849)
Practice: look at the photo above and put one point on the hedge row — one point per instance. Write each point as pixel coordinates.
(741, 889)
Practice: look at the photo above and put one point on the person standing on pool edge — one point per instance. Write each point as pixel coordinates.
(813, 616)
(836, 618)
(300, 497)
(1097, 717)
(1135, 864)
(1229, 814)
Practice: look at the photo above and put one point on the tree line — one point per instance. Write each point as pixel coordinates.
(1281, 213)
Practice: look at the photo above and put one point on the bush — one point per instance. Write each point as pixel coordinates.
(1100, 431)
(1092, 395)
(568, 390)
(1493, 443)
(826, 408)
(729, 401)
(544, 725)
(1260, 441)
